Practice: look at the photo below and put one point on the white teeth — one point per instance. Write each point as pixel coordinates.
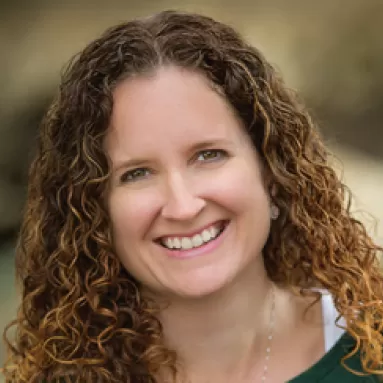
(213, 231)
(177, 243)
(196, 241)
(186, 243)
(206, 235)
(169, 243)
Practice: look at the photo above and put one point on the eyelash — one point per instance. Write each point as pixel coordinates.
(219, 154)
(130, 176)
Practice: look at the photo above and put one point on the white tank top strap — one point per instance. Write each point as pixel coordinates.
(332, 332)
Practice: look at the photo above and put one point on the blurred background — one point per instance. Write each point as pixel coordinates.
(331, 51)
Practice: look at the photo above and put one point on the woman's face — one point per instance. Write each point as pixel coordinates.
(187, 201)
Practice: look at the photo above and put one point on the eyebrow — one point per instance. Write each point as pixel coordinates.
(139, 162)
(131, 163)
(209, 144)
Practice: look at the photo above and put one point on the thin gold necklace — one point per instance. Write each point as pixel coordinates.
(270, 336)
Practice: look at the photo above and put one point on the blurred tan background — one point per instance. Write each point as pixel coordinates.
(331, 51)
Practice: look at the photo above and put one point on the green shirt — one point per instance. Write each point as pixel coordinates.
(329, 369)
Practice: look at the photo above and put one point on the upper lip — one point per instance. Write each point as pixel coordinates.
(190, 234)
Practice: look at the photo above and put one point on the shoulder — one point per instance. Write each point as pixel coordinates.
(330, 368)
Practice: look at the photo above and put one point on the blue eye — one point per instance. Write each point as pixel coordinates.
(134, 175)
(211, 155)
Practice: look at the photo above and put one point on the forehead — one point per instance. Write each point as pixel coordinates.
(172, 104)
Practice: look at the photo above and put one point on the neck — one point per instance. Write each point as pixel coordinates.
(228, 328)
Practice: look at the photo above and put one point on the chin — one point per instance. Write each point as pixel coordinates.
(198, 288)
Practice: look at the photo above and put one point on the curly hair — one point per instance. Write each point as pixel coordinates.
(83, 317)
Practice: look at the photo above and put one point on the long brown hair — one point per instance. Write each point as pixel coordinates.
(82, 315)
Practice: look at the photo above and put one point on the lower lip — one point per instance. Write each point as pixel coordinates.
(198, 251)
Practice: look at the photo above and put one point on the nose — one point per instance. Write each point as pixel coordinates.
(181, 202)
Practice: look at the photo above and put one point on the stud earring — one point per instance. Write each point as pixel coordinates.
(274, 212)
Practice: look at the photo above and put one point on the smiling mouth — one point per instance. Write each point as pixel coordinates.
(206, 236)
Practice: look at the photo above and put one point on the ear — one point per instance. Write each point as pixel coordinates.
(270, 185)
(274, 211)
(273, 189)
(269, 182)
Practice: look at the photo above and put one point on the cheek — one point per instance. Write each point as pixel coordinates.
(240, 188)
(131, 213)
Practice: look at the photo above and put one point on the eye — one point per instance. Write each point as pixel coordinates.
(211, 155)
(134, 175)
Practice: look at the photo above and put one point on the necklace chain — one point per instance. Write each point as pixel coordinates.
(270, 336)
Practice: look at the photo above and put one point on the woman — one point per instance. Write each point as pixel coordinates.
(183, 224)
